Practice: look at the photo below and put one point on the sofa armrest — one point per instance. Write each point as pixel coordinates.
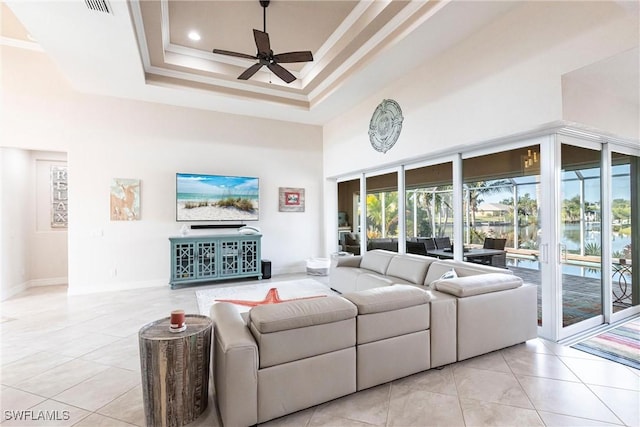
(349, 261)
(444, 327)
(235, 361)
(495, 320)
(468, 286)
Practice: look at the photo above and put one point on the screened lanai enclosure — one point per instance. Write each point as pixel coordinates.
(567, 210)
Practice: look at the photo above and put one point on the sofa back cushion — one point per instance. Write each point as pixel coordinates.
(412, 268)
(377, 260)
(462, 269)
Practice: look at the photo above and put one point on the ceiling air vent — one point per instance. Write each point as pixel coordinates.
(98, 5)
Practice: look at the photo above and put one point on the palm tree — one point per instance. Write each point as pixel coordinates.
(527, 207)
(374, 216)
(479, 189)
(571, 209)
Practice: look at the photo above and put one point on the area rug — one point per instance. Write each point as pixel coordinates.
(263, 292)
(620, 344)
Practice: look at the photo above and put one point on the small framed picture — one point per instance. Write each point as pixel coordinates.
(291, 199)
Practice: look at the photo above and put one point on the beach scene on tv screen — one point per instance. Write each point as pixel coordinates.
(216, 198)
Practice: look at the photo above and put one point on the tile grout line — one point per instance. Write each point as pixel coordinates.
(455, 384)
(515, 376)
(581, 381)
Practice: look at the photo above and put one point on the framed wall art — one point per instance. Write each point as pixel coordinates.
(291, 199)
(59, 197)
(125, 199)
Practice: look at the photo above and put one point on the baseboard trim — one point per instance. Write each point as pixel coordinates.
(14, 290)
(53, 281)
(292, 270)
(115, 287)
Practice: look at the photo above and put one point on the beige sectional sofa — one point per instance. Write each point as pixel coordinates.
(286, 357)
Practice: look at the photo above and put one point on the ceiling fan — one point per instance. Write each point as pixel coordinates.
(265, 55)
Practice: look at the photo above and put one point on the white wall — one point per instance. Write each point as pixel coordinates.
(109, 138)
(584, 103)
(503, 80)
(16, 186)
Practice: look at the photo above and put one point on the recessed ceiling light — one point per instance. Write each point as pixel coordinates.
(193, 35)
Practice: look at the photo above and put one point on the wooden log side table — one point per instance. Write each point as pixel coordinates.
(175, 370)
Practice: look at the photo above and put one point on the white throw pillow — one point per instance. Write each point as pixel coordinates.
(451, 274)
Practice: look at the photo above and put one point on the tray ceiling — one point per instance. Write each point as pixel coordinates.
(141, 50)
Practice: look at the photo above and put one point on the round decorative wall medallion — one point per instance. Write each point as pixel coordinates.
(385, 125)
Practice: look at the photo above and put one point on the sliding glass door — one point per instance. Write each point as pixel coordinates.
(581, 235)
(565, 208)
(625, 233)
(501, 205)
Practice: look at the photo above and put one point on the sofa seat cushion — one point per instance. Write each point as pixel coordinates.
(301, 313)
(476, 285)
(390, 312)
(387, 298)
(370, 280)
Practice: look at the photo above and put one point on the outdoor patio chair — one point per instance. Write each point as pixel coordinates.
(442, 242)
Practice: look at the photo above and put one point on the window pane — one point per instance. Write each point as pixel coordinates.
(501, 193)
(349, 216)
(581, 237)
(382, 212)
(624, 207)
(429, 201)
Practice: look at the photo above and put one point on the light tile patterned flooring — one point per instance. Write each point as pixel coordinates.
(80, 354)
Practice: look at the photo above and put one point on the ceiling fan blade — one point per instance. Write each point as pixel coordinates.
(229, 53)
(288, 57)
(250, 71)
(279, 71)
(262, 41)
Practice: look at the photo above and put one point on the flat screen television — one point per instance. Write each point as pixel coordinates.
(216, 198)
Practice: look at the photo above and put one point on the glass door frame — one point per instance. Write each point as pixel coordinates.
(605, 259)
(607, 228)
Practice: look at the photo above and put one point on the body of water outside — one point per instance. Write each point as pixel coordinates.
(570, 238)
